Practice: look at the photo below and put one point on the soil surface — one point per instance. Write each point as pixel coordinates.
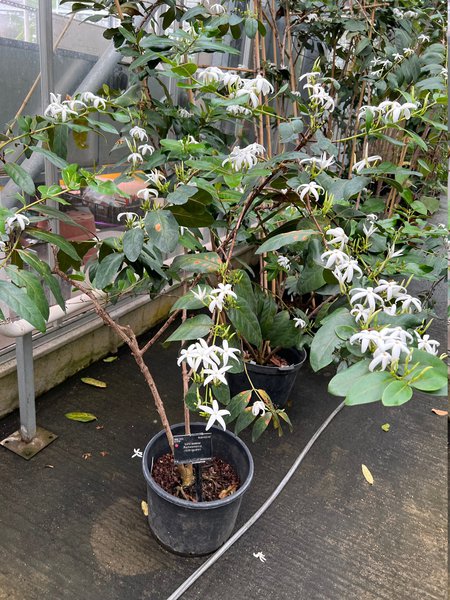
(219, 479)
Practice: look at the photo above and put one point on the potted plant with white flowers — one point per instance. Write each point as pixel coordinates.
(332, 184)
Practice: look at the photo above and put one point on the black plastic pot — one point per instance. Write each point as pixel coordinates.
(189, 528)
(276, 381)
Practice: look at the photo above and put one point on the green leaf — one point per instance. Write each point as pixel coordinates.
(106, 127)
(221, 393)
(342, 382)
(51, 157)
(44, 271)
(20, 177)
(237, 404)
(434, 378)
(369, 388)
(185, 70)
(82, 417)
(204, 262)
(94, 382)
(18, 301)
(162, 229)
(326, 340)
(108, 269)
(289, 131)
(385, 427)
(33, 287)
(56, 240)
(181, 194)
(396, 394)
(133, 240)
(260, 426)
(250, 27)
(245, 322)
(192, 329)
(244, 419)
(285, 239)
(187, 218)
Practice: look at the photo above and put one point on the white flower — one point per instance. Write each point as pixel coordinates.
(199, 356)
(361, 313)
(393, 111)
(397, 333)
(372, 217)
(321, 96)
(410, 14)
(135, 158)
(369, 231)
(146, 149)
(244, 158)
(296, 93)
(372, 109)
(311, 18)
(368, 296)
(408, 51)
(2, 246)
(381, 358)
(391, 288)
(392, 252)
(309, 188)
(217, 9)
(284, 262)
(396, 347)
(58, 110)
(96, 101)
(334, 257)
(339, 236)
(200, 294)
(129, 216)
(299, 322)
(216, 374)
(425, 343)
(73, 104)
(237, 109)
(146, 193)
(137, 453)
(397, 13)
(398, 57)
(423, 38)
(246, 91)
(17, 221)
(366, 337)
(232, 79)
(138, 133)
(219, 295)
(323, 162)
(228, 352)
(216, 414)
(346, 272)
(261, 85)
(260, 555)
(408, 302)
(257, 408)
(156, 177)
(210, 75)
(310, 77)
(184, 114)
(365, 163)
(444, 73)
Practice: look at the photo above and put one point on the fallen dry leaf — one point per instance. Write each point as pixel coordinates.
(385, 427)
(94, 382)
(86, 455)
(144, 507)
(49, 467)
(104, 453)
(367, 474)
(110, 359)
(440, 413)
(83, 417)
(99, 426)
(228, 491)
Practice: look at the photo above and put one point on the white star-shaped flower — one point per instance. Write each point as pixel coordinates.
(216, 414)
(137, 453)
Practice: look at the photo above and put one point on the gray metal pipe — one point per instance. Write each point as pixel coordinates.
(34, 165)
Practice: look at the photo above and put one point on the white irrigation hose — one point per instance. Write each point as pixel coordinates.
(205, 566)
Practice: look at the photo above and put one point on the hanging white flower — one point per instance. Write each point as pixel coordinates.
(199, 356)
(322, 162)
(299, 322)
(238, 109)
(210, 75)
(95, 101)
(156, 177)
(216, 374)
(345, 273)
(365, 163)
(390, 288)
(334, 257)
(382, 359)
(409, 302)
(135, 158)
(60, 111)
(258, 408)
(361, 313)
(393, 111)
(339, 237)
(244, 158)
(312, 188)
(200, 294)
(147, 193)
(219, 295)
(232, 80)
(250, 92)
(138, 133)
(17, 221)
(368, 297)
(130, 217)
(284, 262)
(145, 149)
(261, 85)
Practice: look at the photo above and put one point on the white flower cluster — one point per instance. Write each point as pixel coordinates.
(138, 134)
(214, 9)
(389, 297)
(322, 162)
(404, 14)
(237, 87)
(345, 267)
(62, 110)
(242, 159)
(216, 298)
(16, 222)
(390, 111)
(387, 345)
(210, 362)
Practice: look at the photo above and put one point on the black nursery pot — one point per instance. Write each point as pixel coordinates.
(276, 381)
(190, 528)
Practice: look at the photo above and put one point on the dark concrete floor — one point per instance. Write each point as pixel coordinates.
(72, 528)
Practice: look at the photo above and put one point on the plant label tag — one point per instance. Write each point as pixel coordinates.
(193, 448)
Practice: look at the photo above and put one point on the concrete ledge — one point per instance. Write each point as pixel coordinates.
(69, 351)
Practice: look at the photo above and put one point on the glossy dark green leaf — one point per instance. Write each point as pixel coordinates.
(396, 394)
(133, 240)
(20, 177)
(108, 269)
(368, 388)
(192, 329)
(162, 230)
(18, 301)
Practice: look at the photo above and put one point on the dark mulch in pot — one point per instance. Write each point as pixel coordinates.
(219, 479)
